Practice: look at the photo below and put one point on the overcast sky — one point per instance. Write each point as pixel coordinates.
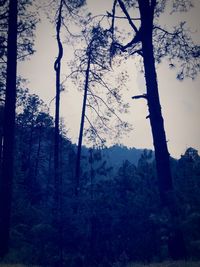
(179, 100)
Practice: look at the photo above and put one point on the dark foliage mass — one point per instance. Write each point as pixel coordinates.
(119, 216)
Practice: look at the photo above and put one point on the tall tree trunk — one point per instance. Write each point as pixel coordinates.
(8, 131)
(176, 243)
(80, 139)
(57, 172)
(57, 67)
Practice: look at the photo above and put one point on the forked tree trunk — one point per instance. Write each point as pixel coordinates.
(176, 243)
(8, 131)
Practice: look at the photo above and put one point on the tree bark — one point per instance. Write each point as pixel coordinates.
(8, 131)
(155, 115)
(164, 174)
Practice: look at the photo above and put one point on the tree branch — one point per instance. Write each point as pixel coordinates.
(118, 17)
(165, 31)
(111, 110)
(99, 116)
(127, 15)
(139, 52)
(140, 96)
(95, 130)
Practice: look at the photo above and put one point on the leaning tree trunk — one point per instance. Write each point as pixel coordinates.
(80, 139)
(176, 243)
(8, 131)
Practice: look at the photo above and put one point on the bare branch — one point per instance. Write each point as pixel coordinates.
(144, 96)
(70, 33)
(139, 52)
(111, 110)
(127, 15)
(99, 116)
(147, 117)
(113, 17)
(118, 17)
(165, 31)
(95, 130)
(68, 76)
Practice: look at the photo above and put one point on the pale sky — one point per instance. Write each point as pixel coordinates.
(179, 100)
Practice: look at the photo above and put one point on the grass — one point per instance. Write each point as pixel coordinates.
(168, 264)
(16, 265)
(164, 264)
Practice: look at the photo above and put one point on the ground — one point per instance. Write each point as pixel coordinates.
(164, 264)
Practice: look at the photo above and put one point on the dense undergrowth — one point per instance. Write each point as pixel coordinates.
(162, 264)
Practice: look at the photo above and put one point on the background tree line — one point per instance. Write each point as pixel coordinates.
(119, 217)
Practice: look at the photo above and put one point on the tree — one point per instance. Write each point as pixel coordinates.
(30, 121)
(152, 42)
(57, 170)
(69, 5)
(27, 20)
(100, 98)
(13, 27)
(78, 159)
(8, 130)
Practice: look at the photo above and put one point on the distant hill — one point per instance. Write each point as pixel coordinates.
(117, 154)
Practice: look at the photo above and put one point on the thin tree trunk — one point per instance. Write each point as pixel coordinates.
(30, 145)
(57, 173)
(8, 131)
(80, 139)
(57, 67)
(92, 214)
(38, 154)
(159, 138)
(49, 176)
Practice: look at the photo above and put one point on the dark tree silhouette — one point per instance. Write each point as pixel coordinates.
(157, 125)
(78, 159)
(144, 44)
(93, 65)
(8, 130)
(16, 42)
(57, 169)
(27, 20)
(69, 6)
(57, 67)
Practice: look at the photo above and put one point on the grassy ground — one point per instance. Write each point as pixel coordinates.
(169, 264)
(164, 264)
(16, 265)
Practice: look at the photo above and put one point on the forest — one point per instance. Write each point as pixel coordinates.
(76, 205)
